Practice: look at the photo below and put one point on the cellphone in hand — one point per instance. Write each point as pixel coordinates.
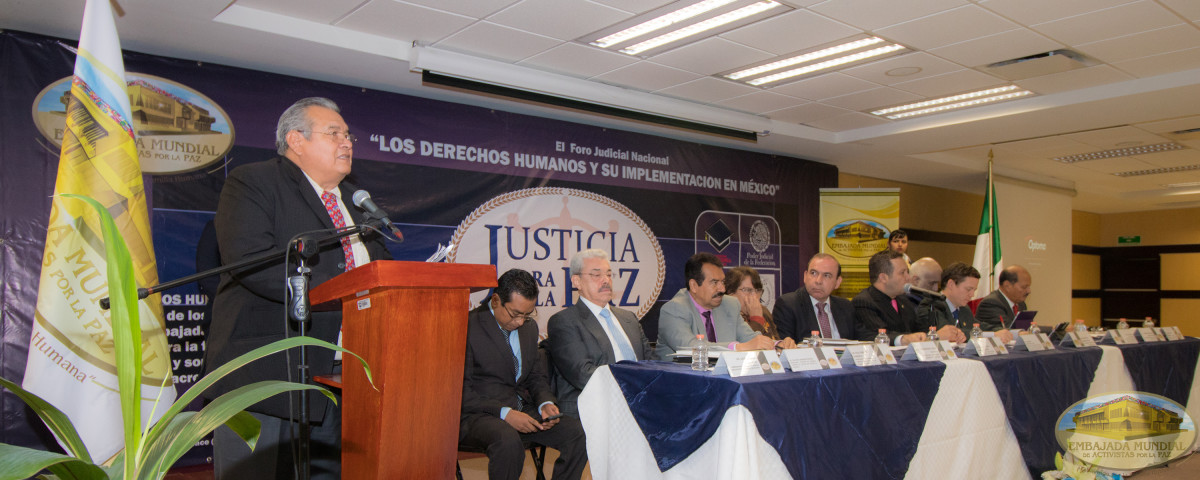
(552, 417)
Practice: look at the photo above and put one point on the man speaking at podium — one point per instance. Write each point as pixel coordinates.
(262, 206)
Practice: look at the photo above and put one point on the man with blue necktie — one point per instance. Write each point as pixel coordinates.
(592, 333)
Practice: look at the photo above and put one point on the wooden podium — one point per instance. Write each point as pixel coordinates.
(408, 320)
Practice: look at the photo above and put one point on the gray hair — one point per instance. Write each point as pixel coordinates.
(296, 118)
(579, 257)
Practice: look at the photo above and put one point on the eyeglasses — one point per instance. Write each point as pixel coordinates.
(750, 290)
(532, 315)
(338, 135)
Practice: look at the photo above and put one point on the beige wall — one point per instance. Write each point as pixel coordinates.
(1158, 227)
(1085, 269)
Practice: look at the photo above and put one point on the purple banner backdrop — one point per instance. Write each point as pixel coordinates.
(428, 163)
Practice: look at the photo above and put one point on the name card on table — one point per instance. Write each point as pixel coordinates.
(1124, 336)
(1034, 342)
(1077, 339)
(809, 358)
(1172, 333)
(982, 347)
(929, 351)
(1148, 335)
(1001, 348)
(868, 355)
(739, 364)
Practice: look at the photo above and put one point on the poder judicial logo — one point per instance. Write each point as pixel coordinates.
(1126, 430)
(539, 229)
(178, 129)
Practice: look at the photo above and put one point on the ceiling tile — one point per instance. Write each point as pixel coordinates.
(950, 83)
(1110, 138)
(1032, 12)
(636, 7)
(809, 112)
(1172, 125)
(948, 27)
(875, 14)
(707, 90)
(1113, 22)
(496, 41)
(871, 99)
(1190, 9)
(647, 76)
(824, 86)
(320, 11)
(1045, 148)
(760, 102)
(878, 71)
(1144, 44)
(847, 121)
(582, 61)
(405, 22)
(1162, 64)
(470, 8)
(792, 31)
(1073, 79)
(561, 19)
(1176, 158)
(710, 56)
(995, 48)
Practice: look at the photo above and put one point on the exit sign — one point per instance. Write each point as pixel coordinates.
(1130, 240)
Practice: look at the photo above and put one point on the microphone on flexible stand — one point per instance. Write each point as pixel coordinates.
(362, 200)
(911, 290)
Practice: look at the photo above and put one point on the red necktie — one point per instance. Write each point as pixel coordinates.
(823, 321)
(335, 214)
(1015, 309)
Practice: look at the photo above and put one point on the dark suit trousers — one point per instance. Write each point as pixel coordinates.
(505, 446)
(272, 456)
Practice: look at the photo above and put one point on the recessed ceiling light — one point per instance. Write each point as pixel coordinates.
(665, 27)
(962, 100)
(1120, 152)
(903, 71)
(1181, 185)
(1156, 171)
(814, 60)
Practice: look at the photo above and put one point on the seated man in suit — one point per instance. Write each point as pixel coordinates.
(997, 310)
(813, 307)
(884, 305)
(960, 281)
(592, 332)
(506, 394)
(703, 309)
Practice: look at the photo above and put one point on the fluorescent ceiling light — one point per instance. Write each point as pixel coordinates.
(1181, 185)
(962, 100)
(818, 59)
(807, 57)
(826, 65)
(1121, 152)
(1156, 171)
(669, 26)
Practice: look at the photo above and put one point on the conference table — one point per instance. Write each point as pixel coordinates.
(973, 417)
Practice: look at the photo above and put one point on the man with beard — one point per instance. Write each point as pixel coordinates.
(703, 309)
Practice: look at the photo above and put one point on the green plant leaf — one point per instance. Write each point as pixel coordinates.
(20, 462)
(179, 439)
(126, 330)
(245, 426)
(57, 421)
(1058, 461)
(236, 363)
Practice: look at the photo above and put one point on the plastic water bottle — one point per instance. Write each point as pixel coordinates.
(933, 336)
(1034, 329)
(815, 340)
(1149, 323)
(699, 353)
(1080, 328)
(1122, 325)
(976, 332)
(882, 338)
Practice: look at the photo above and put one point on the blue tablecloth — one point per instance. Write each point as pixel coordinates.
(1035, 388)
(870, 418)
(1163, 369)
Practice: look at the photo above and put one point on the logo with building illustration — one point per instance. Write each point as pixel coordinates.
(1126, 431)
(857, 238)
(178, 129)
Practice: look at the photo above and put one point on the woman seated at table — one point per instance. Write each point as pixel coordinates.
(745, 285)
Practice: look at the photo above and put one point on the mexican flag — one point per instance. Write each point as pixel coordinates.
(988, 259)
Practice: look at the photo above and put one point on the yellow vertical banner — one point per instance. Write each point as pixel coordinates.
(71, 361)
(855, 223)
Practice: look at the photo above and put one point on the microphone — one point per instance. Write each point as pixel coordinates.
(923, 292)
(362, 200)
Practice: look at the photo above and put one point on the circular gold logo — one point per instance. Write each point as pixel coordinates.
(1126, 430)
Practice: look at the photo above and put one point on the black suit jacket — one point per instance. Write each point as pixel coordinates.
(489, 380)
(262, 206)
(874, 311)
(937, 313)
(795, 318)
(578, 345)
(994, 313)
